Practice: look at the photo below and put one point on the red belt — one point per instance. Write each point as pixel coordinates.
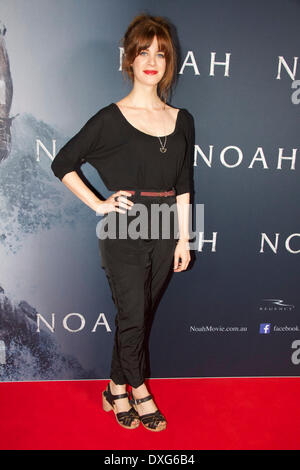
(154, 193)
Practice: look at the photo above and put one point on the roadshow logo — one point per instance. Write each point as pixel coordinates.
(276, 305)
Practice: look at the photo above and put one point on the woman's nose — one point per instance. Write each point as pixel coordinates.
(152, 60)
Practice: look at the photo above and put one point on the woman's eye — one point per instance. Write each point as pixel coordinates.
(161, 54)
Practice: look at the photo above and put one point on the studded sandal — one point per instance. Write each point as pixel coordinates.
(124, 418)
(149, 420)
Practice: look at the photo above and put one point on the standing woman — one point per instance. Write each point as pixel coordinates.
(144, 146)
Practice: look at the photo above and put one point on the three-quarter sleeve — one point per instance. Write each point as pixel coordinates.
(79, 148)
(184, 179)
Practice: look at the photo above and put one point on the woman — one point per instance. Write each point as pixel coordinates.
(144, 146)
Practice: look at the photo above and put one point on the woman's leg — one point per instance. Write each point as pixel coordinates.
(162, 257)
(116, 375)
(128, 267)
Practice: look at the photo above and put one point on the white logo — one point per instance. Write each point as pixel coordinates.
(279, 302)
(276, 305)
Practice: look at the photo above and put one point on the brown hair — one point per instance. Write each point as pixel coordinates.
(139, 36)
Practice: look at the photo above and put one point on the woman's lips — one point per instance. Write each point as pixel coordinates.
(150, 72)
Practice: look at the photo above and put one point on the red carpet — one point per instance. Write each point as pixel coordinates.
(202, 414)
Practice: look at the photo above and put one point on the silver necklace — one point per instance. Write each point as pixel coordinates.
(163, 147)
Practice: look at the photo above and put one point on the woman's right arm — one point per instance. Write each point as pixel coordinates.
(75, 184)
(78, 149)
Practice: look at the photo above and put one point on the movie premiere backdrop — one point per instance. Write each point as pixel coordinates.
(235, 311)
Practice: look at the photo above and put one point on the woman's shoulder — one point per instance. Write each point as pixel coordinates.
(182, 113)
(100, 117)
(187, 118)
(106, 110)
(186, 113)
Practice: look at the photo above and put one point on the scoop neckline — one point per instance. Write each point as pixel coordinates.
(145, 133)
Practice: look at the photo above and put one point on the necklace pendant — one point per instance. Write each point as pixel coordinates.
(163, 149)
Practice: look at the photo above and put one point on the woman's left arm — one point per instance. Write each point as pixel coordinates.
(183, 188)
(182, 250)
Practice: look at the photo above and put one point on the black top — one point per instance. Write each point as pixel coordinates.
(127, 158)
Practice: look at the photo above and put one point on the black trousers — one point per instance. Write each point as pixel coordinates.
(136, 270)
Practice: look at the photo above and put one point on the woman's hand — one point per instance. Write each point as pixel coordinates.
(182, 251)
(114, 202)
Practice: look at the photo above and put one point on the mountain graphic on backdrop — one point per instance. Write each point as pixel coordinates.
(29, 354)
(32, 198)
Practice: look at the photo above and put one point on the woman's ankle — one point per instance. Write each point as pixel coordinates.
(118, 387)
(140, 391)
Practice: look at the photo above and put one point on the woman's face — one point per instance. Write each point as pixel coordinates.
(149, 60)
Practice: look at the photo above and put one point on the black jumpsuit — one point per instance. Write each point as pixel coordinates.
(129, 159)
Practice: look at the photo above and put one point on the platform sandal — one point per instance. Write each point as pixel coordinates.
(124, 418)
(149, 420)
